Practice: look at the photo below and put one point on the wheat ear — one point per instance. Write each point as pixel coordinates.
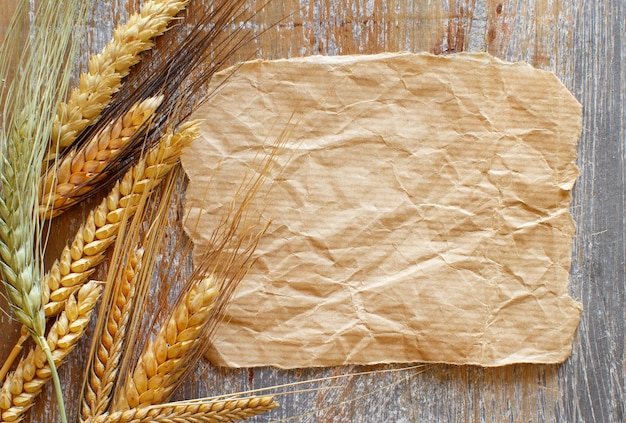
(32, 372)
(88, 248)
(61, 186)
(77, 261)
(28, 100)
(162, 361)
(109, 350)
(194, 411)
(107, 69)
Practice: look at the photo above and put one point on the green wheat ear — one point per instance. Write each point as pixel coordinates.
(35, 68)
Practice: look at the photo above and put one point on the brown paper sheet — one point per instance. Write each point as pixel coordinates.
(422, 213)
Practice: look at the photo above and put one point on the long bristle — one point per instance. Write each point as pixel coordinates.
(200, 303)
(120, 310)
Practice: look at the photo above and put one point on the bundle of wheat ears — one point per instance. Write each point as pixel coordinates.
(119, 135)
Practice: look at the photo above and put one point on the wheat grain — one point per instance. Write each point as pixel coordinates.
(162, 361)
(26, 381)
(62, 186)
(109, 350)
(107, 69)
(194, 411)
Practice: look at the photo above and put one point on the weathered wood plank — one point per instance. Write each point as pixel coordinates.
(595, 374)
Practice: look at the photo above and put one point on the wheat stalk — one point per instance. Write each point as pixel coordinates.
(194, 411)
(61, 186)
(26, 381)
(15, 352)
(107, 69)
(109, 350)
(162, 361)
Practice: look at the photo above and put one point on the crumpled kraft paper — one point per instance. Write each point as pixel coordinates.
(421, 213)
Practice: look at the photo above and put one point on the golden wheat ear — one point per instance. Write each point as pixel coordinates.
(163, 359)
(24, 384)
(107, 69)
(177, 74)
(197, 411)
(61, 186)
(101, 228)
(110, 343)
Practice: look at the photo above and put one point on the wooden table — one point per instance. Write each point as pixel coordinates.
(581, 41)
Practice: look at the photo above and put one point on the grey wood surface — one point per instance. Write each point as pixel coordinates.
(583, 42)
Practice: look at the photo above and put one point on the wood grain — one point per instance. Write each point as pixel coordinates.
(583, 43)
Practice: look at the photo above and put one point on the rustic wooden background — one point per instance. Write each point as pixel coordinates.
(583, 42)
